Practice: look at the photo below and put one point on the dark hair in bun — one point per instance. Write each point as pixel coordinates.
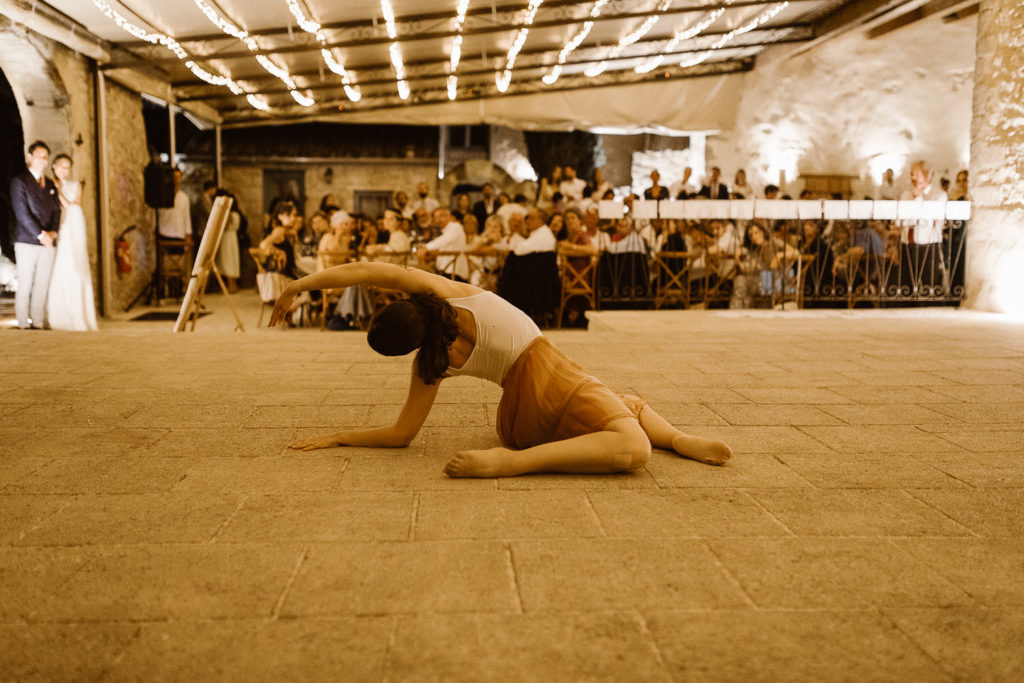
(423, 321)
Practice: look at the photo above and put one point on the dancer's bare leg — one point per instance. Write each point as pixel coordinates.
(664, 435)
(622, 446)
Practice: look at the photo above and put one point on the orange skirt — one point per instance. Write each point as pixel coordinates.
(548, 397)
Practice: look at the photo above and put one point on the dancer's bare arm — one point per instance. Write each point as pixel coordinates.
(382, 275)
(399, 435)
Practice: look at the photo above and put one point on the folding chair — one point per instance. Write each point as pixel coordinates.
(577, 273)
(671, 278)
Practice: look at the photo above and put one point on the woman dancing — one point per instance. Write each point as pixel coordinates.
(553, 417)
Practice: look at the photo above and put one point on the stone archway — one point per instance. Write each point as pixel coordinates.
(12, 160)
(33, 100)
(479, 171)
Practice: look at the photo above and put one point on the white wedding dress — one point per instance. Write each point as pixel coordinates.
(70, 301)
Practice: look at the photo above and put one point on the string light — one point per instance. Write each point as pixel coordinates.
(171, 44)
(453, 63)
(629, 39)
(257, 102)
(552, 76)
(394, 50)
(309, 25)
(230, 29)
(503, 79)
(302, 99)
(686, 34)
(756, 22)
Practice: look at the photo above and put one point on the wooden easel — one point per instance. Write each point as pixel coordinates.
(193, 303)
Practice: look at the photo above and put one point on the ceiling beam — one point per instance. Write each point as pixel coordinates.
(425, 74)
(917, 14)
(563, 8)
(382, 39)
(247, 117)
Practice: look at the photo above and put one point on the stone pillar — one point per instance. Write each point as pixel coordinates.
(995, 243)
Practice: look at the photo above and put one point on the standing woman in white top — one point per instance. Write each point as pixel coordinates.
(228, 261)
(553, 417)
(70, 302)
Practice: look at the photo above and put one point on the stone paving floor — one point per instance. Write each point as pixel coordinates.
(153, 524)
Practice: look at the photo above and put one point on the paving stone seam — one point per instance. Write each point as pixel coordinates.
(510, 563)
(794, 471)
(882, 613)
(26, 532)
(593, 512)
(279, 604)
(938, 468)
(771, 514)
(413, 517)
(944, 513)
(121, 652)
(227, 520)
(732, 577)
(924, 563)
(659, 657)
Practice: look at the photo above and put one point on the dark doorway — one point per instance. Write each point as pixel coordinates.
(12, 161)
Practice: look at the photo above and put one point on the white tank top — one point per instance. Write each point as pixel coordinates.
(502, 333)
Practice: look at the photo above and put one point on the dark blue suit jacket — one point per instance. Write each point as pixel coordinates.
(35, 208)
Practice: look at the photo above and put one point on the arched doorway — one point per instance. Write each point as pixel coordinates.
(12, 160)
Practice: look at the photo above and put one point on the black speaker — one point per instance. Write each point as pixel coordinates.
(159, 182)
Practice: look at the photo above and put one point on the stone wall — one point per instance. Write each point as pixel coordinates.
(995, 255)
(126, 159)
(855, 106)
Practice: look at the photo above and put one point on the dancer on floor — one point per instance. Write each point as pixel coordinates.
(553, 417)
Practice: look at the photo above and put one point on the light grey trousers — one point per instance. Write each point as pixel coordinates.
(35, 264)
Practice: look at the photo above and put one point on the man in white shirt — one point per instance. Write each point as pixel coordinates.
(921, 189)
(424, 200)
(571, 187)
(176, 222)
(506, 210)
(682, 189)
(539, 236)
(452, 238)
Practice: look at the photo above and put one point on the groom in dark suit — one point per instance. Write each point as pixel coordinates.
(37, 216)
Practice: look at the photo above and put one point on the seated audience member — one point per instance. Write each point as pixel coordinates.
(462, 206)
(577, 240)
(339, 239)
(397, 231)
(571, 187)
(844, 254)
(508, 208)
(538, 235)
(486, 206)
(329, 204)
(516, 231)
(423, 199)
(529, 280)
(452, 238)
(625, 239)
(922, 232)
(771, 191)
(279, 244)
(401, 204)
(557, 225)
(959, 191)
(812, 243)
(578, 249)
(592, 226)
(740, 189)
(656, 191)
(470, 226)
(608, 195)
(944, 185)
(683, 189)
(887, 188)
(422, 227)
(558, 202)
(727, 241)
(714, 188)
(484, 269)
(806, 194)
(548, 187)
(762, 264)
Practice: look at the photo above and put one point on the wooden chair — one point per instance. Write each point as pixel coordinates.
(578, 273)
(382, 297)
(328, 297)
(259, 257)
(174, 267)
(671, 275)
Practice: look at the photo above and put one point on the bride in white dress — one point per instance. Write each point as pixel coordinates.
(70, 300)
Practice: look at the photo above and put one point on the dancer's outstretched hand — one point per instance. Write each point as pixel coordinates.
(282, 307)
(329, 441)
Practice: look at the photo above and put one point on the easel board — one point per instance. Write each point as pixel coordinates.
(190, 307)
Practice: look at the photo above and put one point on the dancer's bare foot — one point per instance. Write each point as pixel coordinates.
(493, 462)
(707, 451)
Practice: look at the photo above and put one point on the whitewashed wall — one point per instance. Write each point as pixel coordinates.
(855, 106)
